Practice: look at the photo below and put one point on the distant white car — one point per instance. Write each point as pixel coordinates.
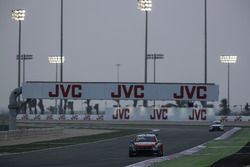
(216, 126)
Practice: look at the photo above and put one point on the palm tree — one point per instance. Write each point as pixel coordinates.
(224, 107)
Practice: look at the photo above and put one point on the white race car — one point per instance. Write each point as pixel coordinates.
(216, 126)
(145, 144)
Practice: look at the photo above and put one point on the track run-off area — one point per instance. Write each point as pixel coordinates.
(110, 152)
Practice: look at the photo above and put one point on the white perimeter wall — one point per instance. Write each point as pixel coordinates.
(134, 114)
(143, 114)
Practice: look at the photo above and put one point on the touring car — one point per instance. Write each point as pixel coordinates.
(216, 126)
(145, 144)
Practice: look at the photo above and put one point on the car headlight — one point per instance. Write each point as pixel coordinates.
(156, 147)
(132, 146)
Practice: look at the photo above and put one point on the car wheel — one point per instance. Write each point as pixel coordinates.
(131, 154)
(160, 153)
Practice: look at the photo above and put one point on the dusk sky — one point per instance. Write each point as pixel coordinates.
(101, 33)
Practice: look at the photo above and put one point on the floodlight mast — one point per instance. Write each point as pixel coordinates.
(205, 41)
(18, 15)
(154, 57)
(228, 59)
(24, 57)
(145, 6)
(56, 60)
(61, 51)
(118, 72)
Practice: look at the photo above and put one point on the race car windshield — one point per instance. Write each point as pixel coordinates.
(145, 139)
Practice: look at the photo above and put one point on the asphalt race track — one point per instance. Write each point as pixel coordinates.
(112, 153)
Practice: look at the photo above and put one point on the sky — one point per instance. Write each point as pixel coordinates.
(99, 34)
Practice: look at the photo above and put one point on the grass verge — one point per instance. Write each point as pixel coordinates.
(66, 141)
(214, 151)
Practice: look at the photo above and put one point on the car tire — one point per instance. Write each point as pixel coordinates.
(131, 154)
(160, 153)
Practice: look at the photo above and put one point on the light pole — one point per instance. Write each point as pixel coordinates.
(118, 72)
(18, 15)
(228, 59)
(61, 51)
(61, 43)
(155, 57)
(24, 57)
(56, 60)
(205, 41)
(145, 6)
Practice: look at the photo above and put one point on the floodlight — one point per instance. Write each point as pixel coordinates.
(18, 14)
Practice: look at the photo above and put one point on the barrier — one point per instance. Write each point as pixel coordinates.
(62, 117)
(236, 118)
(160, 114)
(134, 114)
(143, 114)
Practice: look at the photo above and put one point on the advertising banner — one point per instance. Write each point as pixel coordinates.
(133, 114)
(120, 91)
(60, 117)
(160, 114)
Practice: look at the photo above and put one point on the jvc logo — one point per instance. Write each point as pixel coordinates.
(86, 118)
(200, 114)
(100, 118)
(121, 113)
(159, 114)
(198, 92)
(130, 91)
(67, 91)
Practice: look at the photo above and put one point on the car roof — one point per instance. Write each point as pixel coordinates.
(146, 135)
(217, 121)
